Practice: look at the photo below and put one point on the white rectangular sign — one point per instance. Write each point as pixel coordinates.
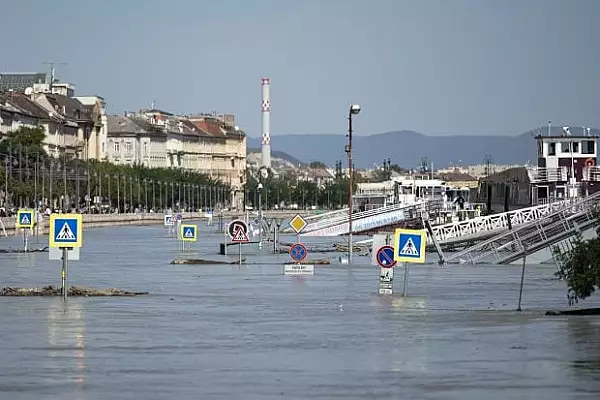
(55, 254)
(298, 269)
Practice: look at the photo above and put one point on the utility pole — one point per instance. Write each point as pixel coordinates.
(53, 70)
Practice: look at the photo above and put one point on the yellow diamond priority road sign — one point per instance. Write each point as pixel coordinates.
(298, 223)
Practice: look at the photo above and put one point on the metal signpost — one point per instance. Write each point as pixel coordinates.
(298, 253)
(169, 223)
(179, 222)
(66, 233)
(188, 233)
(25, 221)
(386, 262)
(409, 247)
(238, 232)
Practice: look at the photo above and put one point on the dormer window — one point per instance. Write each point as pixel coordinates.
(77, 114)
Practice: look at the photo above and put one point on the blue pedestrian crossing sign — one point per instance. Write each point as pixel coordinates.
(409, 245)
(25, 219)
(66, 230)
(189, 233)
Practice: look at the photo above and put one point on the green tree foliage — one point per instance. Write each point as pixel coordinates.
(24, 140)
(290, 189)
(29, 173)
(318, 165)
(580, 266)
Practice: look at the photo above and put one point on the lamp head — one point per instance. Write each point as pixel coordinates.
(354, 109)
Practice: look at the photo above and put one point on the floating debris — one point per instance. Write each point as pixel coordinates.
(201, 261)
(581, 311)
(76, 291)
(43, 249)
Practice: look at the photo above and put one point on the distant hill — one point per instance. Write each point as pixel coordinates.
(407, 148)
(278, 154)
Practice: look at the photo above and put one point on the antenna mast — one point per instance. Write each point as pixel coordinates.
(52, 70)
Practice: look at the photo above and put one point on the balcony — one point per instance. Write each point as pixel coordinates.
(591, 173)
(540, 174)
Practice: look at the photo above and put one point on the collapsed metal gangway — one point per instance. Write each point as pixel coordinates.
(534, 236)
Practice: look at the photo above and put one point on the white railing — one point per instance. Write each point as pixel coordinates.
(541, 174)
(475, 226)
(370, 219)
(533, 236)
(591, 173)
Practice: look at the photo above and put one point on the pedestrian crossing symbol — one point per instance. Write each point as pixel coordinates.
(168, 220)
(25, 219)
(188, 233)
(409, 245)
(66, 230)
(240, 236)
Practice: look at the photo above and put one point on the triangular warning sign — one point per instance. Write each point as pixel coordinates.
(409, 249)
(25, 220)
(65, 233)
(188, 233)
(240, 236)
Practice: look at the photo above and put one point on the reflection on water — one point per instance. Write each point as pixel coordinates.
(248, 332)
(66, 337)
(584, 341)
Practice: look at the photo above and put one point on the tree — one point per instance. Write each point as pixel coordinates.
(318, 165)
(580, 266)
(26, 140)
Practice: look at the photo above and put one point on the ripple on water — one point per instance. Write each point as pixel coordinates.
(248, 332)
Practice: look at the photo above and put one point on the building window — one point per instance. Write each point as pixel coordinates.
(129, 147)
(103, 147)
(575, 147)
(551, 149)
(565, 148)
(539, 147)
(588, 147)
(117, 147)
(146, 149)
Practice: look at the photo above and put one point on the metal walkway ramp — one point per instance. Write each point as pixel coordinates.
(480, 228)
(371, 219)
(531, 237)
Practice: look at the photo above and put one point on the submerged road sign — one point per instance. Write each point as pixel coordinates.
(189, 233)
(234, 226)
(66, 230)
(169, 220)
(385, 257)
(298, 252)
(409, 245)
(298, 223)
(25, 219)
(240, 236)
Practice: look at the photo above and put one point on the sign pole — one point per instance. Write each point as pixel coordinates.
(405, 290)
(240, 250)
(65, 266)
(25, 241)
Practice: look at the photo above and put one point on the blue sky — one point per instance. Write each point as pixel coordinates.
(433, 66)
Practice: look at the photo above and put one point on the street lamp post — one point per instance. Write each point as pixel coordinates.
(260, 215)
(354, 110)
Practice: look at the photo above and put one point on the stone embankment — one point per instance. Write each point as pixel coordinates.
(104, 220)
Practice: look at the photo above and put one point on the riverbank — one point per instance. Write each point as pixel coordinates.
(104, 220)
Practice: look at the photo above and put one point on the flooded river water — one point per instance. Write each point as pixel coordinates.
(248, 332)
